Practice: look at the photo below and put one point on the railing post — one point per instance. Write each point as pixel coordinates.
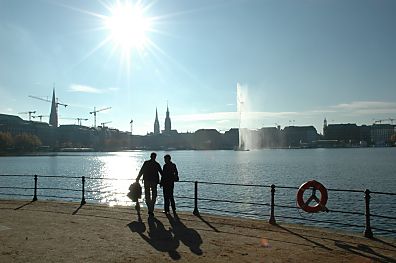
(196, 212)
(83, 191)
(272, 220)
(35, 188)
(367, 230)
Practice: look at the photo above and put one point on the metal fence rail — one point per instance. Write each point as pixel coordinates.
(368, 229)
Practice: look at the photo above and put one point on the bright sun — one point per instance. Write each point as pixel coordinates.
(128, 26)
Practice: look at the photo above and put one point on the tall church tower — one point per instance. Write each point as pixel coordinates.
(168, 125)
(156, 123)
(53, 119)
(324, 127)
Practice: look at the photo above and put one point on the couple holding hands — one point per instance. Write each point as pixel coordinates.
(169, 175)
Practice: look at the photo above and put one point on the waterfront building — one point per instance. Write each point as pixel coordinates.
(269, 137)
(16, 126)
(296, 136)
(77, 136)
(365, 135)
(381, 134)
(207, 139)
(347, 133)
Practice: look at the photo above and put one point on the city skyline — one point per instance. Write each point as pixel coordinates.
(299, 61)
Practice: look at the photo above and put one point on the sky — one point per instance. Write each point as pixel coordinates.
(296, 62)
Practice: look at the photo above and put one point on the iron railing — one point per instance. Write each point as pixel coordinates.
(368, 229)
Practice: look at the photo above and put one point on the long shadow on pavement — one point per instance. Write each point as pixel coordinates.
(157, 236)
(365, 251)
(188, 236)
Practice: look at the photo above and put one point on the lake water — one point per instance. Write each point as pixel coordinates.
(357, 168)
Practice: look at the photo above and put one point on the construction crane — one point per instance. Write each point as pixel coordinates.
(378, 121)
(81, 119)
(47, 100)
(103, 124)
(53, 120)
(28, 112)
(78, 120)
(40, 116)
(96, 111)
(384, 120)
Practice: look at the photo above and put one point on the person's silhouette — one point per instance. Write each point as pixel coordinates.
(169, 177)
(150, 170)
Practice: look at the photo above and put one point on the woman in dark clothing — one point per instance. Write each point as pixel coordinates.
(169, 176)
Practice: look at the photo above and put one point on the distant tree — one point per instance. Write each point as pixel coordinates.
(26, 142)
(6, 140)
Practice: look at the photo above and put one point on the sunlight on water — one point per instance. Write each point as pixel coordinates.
(120, 169)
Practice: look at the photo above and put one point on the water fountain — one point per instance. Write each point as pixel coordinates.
(242, 108)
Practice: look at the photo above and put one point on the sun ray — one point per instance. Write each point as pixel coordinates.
(129, 27)
(93, 51)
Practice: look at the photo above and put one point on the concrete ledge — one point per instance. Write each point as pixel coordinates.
(45, 231)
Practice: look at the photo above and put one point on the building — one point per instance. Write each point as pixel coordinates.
(270, 137)
(53, 119)
(156, 123)
(381, 134)
(296, 136)
(168, 124)
(347, 133)
(16, 126)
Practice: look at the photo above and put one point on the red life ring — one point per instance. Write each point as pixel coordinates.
(321, 203)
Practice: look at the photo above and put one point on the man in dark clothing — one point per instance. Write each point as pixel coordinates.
(169, 176)
(150, 170)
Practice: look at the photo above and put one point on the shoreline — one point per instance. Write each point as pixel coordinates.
(91, 150)
(65, 232)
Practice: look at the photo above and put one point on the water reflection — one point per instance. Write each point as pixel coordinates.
(118, 171)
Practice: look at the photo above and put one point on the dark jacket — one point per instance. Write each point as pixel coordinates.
(170, 174)
(150, 170)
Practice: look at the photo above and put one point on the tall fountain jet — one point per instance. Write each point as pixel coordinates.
(244, 137)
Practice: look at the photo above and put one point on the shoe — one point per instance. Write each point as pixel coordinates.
(175, 214)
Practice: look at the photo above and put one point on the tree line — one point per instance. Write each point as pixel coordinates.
(19, 142)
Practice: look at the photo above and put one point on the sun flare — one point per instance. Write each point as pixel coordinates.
(128, 26)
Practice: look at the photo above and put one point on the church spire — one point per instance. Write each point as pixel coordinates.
(53, 120)
(156, 123)
(324, 127)
(168, 125)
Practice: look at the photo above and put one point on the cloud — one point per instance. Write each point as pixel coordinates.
(84, 89)
(89, 89)
(355, 108)
(222, 121)
(222, 116)
(366, 107)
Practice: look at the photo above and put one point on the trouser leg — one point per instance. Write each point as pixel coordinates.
(154, 196)
(147, 196)
(172, 199)
(166, 199)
